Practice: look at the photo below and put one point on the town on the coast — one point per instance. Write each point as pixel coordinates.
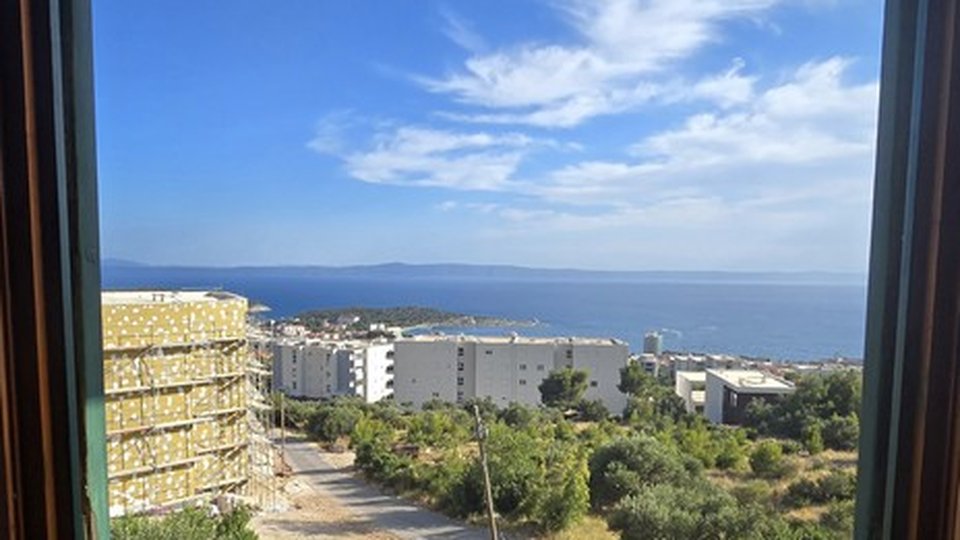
(204, 391)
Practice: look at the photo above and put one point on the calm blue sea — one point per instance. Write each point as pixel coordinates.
(778, 321)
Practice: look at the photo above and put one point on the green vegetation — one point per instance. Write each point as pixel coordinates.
(823, 407)
(192, 523)
(404, 317)
(657, 472)
(563, 388)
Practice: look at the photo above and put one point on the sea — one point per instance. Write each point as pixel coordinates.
(779, 321)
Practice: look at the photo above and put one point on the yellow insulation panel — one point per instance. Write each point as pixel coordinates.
(176, 396)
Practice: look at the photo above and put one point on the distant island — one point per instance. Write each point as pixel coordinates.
(403, 316)
(454, 271)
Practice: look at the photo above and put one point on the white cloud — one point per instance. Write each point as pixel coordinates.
(328, 136)
(460, 32)
(812, 117)
(425, 157)
(622, 45)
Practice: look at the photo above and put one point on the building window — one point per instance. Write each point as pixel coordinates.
(459, 366)
(389, 354)
(488, 351)
(294, 385)
(436, 394)
(523, 382)
(523, 367)
(414, 380)
(389, 369)
(593, 383)
(569, 354)
(328, 388)
(540, 367)
(459, 351)
(459, 381)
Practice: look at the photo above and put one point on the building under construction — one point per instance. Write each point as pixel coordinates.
(186, 413)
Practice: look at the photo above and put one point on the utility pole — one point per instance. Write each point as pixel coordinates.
(283, 429)
(487, 490)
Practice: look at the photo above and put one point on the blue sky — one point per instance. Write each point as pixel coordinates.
(647, 134)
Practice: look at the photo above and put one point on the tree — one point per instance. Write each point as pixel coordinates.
(565, 493)
(330, 422)
(841, 432)
(593, 410)
(634, 380)
(766, 459)
(624, 466)
(563, 388)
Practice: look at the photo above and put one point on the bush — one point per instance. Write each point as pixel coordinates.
(694, 512)
(565, 495)
(731, 455)
(752, 492)
(812, 438)
(767, 460)
(330, 422)
(841, 432)
(593, 410)
(626, 466)
(193, 523)
(836, 486)
(517, 415)
(839, 519)
(791, 447)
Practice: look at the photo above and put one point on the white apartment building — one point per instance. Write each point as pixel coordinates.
(324, 369)
(505, 369)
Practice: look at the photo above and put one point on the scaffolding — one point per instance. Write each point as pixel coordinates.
(180, 387)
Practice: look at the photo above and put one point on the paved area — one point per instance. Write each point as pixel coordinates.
(360, 510)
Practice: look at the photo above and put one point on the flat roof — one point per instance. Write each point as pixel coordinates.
(751, 380)
(693, 376)
(505, 340)
(164, 296)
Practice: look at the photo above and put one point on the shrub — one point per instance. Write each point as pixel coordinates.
(839, 519)
(624, 466)
(517, 415)
(812, 438)
(791, 447)
(841, 432)
(731, 454)
(565, 496)
(767, 460)
(836, 486)
(593, 410)
(330, 422)
(193, 523)
(752, 492)
(694, 512)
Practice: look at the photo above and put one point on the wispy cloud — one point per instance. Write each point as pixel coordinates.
(416, 156)
(623, 48)
(460, 32)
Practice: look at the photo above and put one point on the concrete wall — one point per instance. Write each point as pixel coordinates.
(502, 369)
(603, 364)
(424, 370)
(713, 401)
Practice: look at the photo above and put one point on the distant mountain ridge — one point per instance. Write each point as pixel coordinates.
(508, 272)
